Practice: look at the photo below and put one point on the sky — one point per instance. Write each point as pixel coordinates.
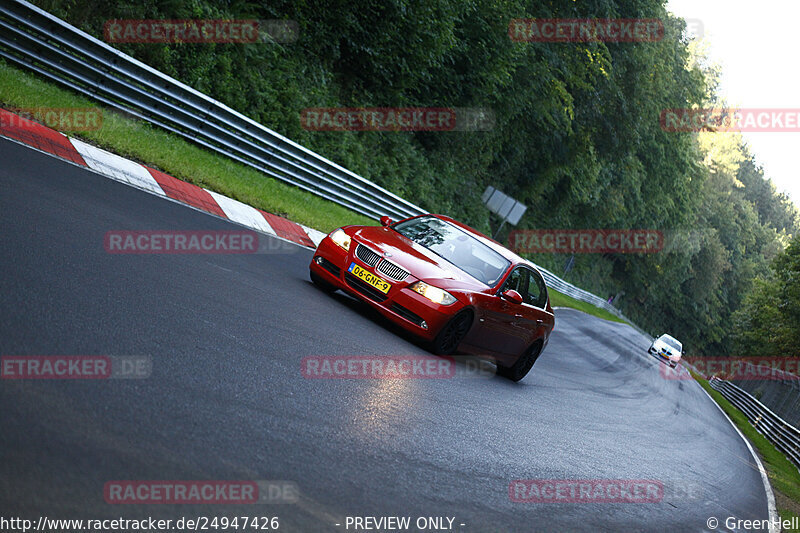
(757, 45)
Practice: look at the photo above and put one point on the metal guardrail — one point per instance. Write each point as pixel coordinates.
(571, 290)
(564, 287)
(783, 435)
(38, 41)
(777, 389)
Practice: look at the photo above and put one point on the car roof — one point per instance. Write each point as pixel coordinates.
(671, 338)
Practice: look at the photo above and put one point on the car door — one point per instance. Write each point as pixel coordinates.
(535, 318)
(502, 324)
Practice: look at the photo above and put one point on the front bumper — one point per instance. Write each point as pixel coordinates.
(401, 305)
(670, 358)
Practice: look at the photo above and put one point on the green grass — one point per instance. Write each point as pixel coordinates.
(782, 473)
(558, 299)
(169, 153)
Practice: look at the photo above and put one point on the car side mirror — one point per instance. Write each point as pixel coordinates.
(512, 296)
(386, 221)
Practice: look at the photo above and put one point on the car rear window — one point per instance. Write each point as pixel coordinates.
(457, 247)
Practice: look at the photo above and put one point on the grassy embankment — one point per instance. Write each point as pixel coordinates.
(172, 154)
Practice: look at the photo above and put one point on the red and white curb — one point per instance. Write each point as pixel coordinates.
(153, 181)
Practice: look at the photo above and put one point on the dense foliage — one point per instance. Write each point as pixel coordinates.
(577, 135)
(768, 323)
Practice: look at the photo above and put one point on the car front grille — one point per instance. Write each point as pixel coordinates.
(392, 270)
(368, 256)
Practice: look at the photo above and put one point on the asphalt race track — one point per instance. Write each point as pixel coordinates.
(226, 399)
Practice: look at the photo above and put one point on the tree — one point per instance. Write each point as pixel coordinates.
(768, 323)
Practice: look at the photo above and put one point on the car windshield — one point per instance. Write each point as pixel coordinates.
(672, 343)
(456, 246)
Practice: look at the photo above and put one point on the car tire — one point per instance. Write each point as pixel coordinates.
(452, 333)
(520, 369)
(321, 283)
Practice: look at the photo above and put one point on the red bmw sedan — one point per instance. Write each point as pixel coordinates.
(446, 283)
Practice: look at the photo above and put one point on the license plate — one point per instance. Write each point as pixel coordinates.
(370, 278)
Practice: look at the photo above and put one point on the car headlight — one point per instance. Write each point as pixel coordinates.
(341, 238)
(434, 294)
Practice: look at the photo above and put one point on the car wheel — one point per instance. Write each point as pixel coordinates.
(321, 283)
(451, 335)
(520, 369)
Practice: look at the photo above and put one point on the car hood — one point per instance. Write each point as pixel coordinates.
(421, 262)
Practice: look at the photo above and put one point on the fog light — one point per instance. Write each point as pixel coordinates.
(318, 260)
(423, 325)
